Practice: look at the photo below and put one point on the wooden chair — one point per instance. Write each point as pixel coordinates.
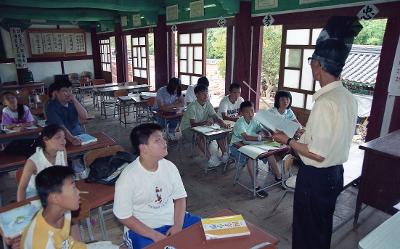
(88, 159)
(113, 102)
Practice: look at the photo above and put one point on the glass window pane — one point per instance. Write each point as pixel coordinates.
(292, 58)
(297, 36)
(310, 102)
(142, 40)
(139, 62)
(194, 79)
(143, 73)
(198, 67)
(297, 99)
(137, 73)
(135, 64)
(198, 53)
(307, 80)
(185, 79)
(134, 52)
(183, 52)
(144, 62)
(135, 41)
(182, 66)
(184, 38)
(197, 38)
(104, 67)
(315, 34)
(190, 59)
(291, 78)
(143, 51)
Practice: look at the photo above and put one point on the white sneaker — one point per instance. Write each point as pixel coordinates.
(214, 161)
(225, 157)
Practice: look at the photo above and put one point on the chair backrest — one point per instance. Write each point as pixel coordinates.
(18, 175)
(90, 156)
(120, 93)
(98, 82)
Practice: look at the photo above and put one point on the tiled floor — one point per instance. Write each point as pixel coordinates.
(208, 193)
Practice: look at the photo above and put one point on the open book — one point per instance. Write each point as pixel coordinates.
(14, 221)
(224, 227)
(274, 122)
(253, 151)
(86, 138)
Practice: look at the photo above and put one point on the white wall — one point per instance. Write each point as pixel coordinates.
(44, 71)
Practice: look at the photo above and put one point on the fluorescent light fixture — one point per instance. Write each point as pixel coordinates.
(205, 6)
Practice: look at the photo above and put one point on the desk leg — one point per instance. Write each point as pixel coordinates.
(255, 167)
(89, 228)
(102, 224)
(357, 211)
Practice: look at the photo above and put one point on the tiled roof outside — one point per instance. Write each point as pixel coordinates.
(362, 64)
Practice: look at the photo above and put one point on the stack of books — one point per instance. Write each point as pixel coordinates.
(86, 138)
(225, 227)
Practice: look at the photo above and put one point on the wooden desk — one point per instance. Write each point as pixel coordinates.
(137, 88)
(193, 238)
(10, 162)
(380, 178)
(30, 86)
(26, 133)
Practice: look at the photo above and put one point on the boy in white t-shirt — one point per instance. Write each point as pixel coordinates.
(150, 199)
(230, 104)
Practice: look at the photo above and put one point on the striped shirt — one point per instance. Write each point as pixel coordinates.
(40, 235)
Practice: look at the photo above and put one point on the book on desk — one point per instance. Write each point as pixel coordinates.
(14, 221)
(86, 138)
(274, 122)
(224, 227)
(254, 150)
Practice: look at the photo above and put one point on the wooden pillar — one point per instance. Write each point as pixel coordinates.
(256, 62)
(388, 52)
(241, 68)
(228, 61)
(160, 52)
(171, 54)
(96, 54)
(119, 47)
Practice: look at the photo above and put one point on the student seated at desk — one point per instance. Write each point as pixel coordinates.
(198, 113)
(51, 226)
(230, 104)
(50, 151)
(14, 115)
(150, 199)
(190, 94)
(247, 128)
(169, 99)
(65, 110)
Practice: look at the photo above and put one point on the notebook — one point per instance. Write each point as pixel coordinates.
(14, 221)
(224, 227)
(86, 138)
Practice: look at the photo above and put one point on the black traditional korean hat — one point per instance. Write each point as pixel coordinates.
(334, 43)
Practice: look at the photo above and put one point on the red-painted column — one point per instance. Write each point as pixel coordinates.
(119, 47)
(256, 61)
(160, 52)
(96, 54)
(388, 52)
(228, 63)
(241, 68)
(171, 54)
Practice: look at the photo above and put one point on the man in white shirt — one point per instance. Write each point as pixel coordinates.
(150, 199)
(230, 104)
(325, 145)
(190, 96)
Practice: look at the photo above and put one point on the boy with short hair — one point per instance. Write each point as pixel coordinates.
(198, 113)
(150, 199)
(247, 128)
(65, 110)
(230, 104)
(51, 226)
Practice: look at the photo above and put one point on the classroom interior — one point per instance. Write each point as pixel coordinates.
(140, 45)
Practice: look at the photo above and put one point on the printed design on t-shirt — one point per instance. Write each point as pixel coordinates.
(159, 198)
(232, 113)
(65, 244)
(158, 194)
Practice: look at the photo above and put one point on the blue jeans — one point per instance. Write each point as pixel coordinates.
(235, 153)
(171, 123)
(135, 241)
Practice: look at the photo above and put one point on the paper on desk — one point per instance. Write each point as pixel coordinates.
(275, 122)
(397, 206)
(253, 151)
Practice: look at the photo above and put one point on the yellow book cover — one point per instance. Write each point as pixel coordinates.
(224, 227)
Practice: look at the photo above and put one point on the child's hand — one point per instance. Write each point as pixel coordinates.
(173, 230)
(209, 121)
(158, 236)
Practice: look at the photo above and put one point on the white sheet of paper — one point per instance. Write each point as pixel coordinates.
(253, 151)
(275, 122)
(397, 206)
